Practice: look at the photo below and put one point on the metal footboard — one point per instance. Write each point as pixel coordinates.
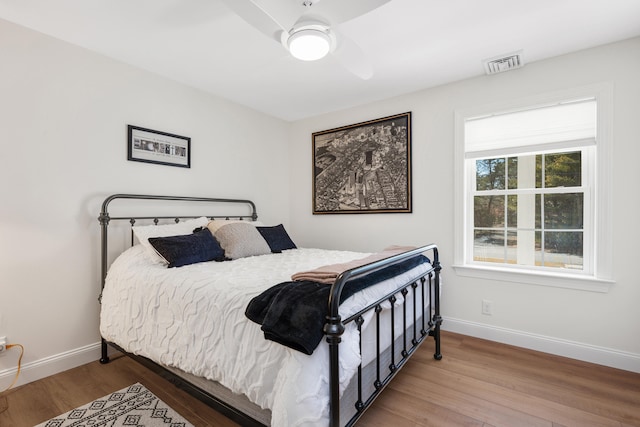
(411, 336)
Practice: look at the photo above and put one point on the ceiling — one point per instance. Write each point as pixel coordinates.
(411, 44)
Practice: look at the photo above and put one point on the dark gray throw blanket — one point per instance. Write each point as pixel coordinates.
(293, 313)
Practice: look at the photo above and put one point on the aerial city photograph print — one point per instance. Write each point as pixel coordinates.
(363, 168)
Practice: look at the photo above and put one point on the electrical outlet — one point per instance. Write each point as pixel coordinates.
(3, 344)
(487, 307)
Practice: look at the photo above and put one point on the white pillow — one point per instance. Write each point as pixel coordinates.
(143, 232)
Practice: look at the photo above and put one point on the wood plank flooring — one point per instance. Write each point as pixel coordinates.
(477, 383)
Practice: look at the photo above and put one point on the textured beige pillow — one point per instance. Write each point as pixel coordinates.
(241, 239)
(214, 224)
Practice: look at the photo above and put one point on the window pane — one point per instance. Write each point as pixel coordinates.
(512, 211)
(512, 172)
(538, 248)
(512, 247)
(563, 249)
(490, 174)
(563, 170)
(538, 211)
(488, 246)
(488, 211)
(525, 167)
(563, 211)
(539, 171)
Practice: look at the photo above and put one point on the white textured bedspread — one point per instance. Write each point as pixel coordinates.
(192, 318)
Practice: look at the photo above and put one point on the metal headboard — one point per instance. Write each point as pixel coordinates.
(105, 218)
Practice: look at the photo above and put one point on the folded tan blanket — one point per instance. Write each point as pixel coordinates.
(328, 273)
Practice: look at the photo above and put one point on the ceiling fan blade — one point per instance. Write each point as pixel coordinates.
(256, 16)
(338, 11)
(353, 58)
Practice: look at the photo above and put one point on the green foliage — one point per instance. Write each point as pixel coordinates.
(561, 211)
(562, 170)
(490, 174)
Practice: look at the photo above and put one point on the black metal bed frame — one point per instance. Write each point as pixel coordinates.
(334, 327)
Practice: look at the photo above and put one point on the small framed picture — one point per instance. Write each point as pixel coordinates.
(364, 167)
(162, 148)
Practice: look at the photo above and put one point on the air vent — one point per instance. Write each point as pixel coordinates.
(503, 63)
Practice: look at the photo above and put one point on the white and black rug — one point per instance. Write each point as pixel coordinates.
(134, 406)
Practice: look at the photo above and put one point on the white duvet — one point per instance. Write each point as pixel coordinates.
(192, 318)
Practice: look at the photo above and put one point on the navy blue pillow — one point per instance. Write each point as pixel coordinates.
(277, 238)
(188, 249)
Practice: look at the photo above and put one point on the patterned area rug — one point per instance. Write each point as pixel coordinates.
(134, 406)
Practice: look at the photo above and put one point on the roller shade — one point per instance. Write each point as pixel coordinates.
(556, 126)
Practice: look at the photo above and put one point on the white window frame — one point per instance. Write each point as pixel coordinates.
(587, 150)
(597, 274)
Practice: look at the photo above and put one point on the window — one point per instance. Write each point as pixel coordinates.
(529, 210)
(530, 191)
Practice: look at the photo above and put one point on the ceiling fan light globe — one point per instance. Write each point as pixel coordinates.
(309, 44)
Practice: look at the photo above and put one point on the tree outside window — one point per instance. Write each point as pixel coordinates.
(529, 210)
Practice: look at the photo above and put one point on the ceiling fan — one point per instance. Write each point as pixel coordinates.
(308, 28)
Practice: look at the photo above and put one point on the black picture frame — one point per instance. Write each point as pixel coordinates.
(364, 167)
(161, 148)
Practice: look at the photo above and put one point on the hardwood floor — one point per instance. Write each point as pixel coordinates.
(477, 383)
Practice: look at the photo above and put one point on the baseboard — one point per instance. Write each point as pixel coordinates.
(574, 350)
(51, 365)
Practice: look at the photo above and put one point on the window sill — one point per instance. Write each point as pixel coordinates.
(585, 283)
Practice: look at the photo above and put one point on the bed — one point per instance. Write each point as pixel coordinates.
(209, 326)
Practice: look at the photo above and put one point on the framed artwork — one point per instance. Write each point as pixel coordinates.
(364, 167)
(152, 146)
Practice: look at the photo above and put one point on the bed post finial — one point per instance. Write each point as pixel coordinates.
(104, 218)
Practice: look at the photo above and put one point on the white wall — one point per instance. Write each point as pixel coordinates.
(598, 327)
(63, 117)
